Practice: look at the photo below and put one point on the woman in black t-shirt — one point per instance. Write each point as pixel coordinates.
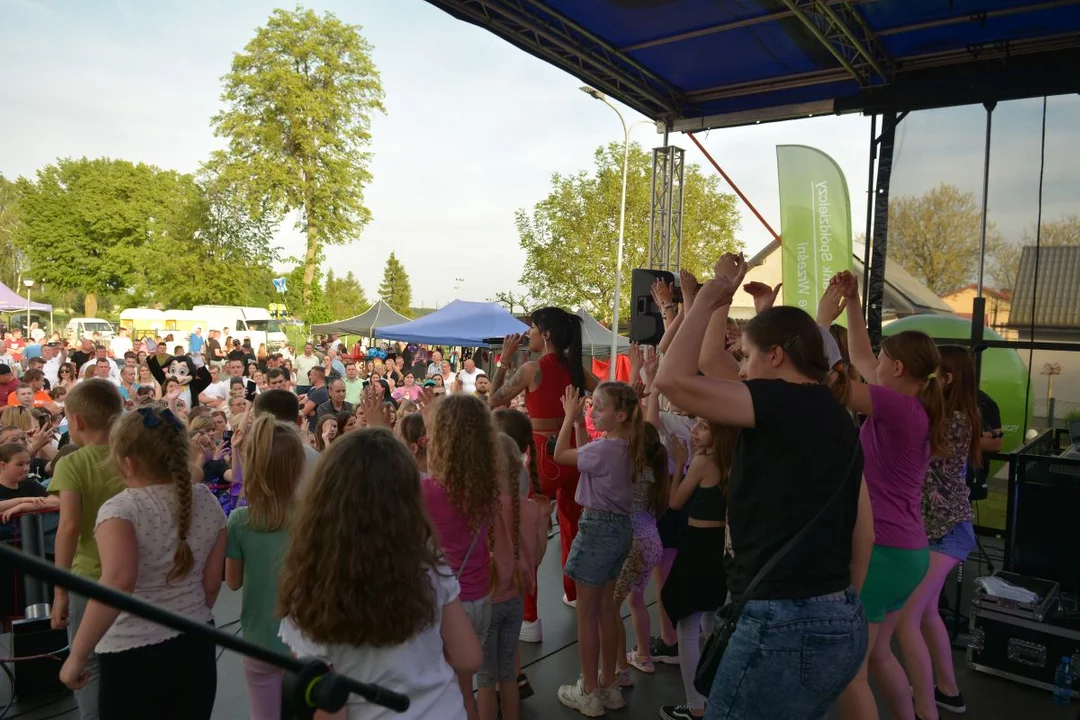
(802, 636)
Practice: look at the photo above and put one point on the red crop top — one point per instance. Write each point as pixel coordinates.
(546, 401)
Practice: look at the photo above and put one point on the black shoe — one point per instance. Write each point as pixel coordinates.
(663, 653)
(677, 712)
(525, 690)
(951, 703)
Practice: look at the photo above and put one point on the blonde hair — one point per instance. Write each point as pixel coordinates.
(625, 399)
(96, 401)
(512, 457)
(156, 440)
(464, 455)
(273, 461)
(202, 423)
(18, 417)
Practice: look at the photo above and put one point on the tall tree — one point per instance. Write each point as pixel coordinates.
(344, 296)
(300, 98)
(936, 236)
(318, 310)
(513, 301)
(570, 237)
(12, 259)
(395, 289)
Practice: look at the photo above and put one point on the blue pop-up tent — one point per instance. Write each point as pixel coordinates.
(469, 324)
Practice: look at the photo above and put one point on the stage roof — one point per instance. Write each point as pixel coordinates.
(698, 64)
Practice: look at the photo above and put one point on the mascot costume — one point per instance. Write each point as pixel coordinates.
(181, 367)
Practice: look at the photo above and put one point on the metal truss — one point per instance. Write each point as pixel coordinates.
(666, 211)
(540, 31)
(844, 33)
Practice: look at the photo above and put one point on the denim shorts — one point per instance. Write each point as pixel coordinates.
(957, 543)
(790, 659)
(600, 548)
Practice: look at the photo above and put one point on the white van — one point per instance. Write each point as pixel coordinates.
(250, 323)
(80, 328)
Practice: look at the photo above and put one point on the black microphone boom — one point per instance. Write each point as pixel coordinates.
(310, 683)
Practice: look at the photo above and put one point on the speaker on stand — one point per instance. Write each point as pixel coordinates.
(646, 319)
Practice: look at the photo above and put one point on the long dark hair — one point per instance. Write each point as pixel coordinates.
(796, 333)
(564, 331)
(961, 395)
(921, 359)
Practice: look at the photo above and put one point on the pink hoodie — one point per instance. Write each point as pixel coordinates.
(533, 542)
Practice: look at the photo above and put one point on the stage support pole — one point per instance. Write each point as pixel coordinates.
(978, 310)
(867, 237)
(875, 287)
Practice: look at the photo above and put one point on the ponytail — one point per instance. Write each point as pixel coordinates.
(516, 424)
(512, 457)
(933, 401)
(564, 332)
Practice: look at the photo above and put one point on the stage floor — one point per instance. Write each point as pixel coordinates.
(555, 661)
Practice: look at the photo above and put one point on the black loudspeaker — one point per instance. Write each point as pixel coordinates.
(646, 320)
(34, 678)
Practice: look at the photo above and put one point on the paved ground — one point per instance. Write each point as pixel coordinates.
(555, 661)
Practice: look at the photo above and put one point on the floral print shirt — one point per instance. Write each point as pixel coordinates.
(945, 502)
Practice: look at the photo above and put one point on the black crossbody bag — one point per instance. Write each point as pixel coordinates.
(716, 643)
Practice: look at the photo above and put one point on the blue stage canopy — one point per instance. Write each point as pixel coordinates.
(469, 324)
(697, 64)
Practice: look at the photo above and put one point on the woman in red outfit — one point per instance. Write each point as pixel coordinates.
(556, 334)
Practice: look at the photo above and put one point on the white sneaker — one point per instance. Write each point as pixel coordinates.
(568, 602)
(612, 697)
(575, 698)
(531, 632)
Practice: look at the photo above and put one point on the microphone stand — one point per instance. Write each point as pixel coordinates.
(309, 684)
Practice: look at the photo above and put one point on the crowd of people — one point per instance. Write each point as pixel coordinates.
(387, 510)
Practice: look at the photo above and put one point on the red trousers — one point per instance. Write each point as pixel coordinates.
(558, 482)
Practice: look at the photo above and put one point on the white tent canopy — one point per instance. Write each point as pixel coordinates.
(596, 339)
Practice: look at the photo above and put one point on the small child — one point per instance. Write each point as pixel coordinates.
(650, 502)
(462, 496)
(163, 541)
(406, 628)
(607, 467)
(412, 431)
(83, 481)
(273, 460)
(517, 539)
(18, 493)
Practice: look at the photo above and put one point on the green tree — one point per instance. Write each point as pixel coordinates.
(300, 98)
(318, 310)
(936, 236)
(513, 302)
(395, 288)
(571, 236)
(87, 224)
(344, 296)
(11, 256)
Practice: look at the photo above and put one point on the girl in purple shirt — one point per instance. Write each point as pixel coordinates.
(607, 468)
(905, 426)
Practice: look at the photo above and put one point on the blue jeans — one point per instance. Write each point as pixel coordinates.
(789, 658)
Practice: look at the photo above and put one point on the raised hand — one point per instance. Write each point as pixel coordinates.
(372, 401)
(652, 363)
(848, 283)
(662, 293)
(728, 265)
(637, 360)
(572, 402)
(690, 287)
(832, 302)
(764, 296)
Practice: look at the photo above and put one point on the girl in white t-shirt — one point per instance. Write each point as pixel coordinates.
(163, 541)
(363, 586)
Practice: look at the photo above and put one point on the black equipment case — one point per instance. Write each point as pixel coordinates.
(1024, 643)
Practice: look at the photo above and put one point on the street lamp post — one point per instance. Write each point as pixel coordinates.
(29, 284)
(594, 93)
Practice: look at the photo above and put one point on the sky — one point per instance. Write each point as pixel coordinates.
(474, 129)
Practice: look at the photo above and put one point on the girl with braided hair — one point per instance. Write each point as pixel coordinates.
(163, 541)
(517, 539)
